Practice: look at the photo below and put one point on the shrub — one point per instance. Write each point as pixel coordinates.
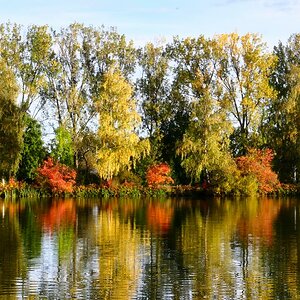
(257, 163)
(56, 177)
(159, 174)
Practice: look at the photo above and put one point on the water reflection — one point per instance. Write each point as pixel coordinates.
(150, 249)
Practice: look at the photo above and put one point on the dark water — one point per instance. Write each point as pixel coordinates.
(150, 249)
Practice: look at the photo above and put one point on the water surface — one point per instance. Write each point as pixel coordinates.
(150, 249)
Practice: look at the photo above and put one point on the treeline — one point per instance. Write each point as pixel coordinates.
(219, 111)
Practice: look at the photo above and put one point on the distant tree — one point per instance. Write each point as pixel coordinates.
(204, 146)
(152, 92)
(153, 87)
(81, 57)
(33, 151)
(189, 58)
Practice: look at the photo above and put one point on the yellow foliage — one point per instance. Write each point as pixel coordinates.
(119, 144)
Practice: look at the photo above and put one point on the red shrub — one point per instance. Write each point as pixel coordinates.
(55, 176)
(258, 163)
(159, 174)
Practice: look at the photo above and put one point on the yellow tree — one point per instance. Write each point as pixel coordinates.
(119, 145)
(204, 148)
(11, 125)
(244, 67)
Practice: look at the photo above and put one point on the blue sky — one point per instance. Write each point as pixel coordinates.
(151, 20)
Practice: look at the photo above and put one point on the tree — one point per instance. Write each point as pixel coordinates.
(119, 145)
(66, 92)
(33, 151)
(189, 57)
(81, 57)
(63, 146)
(27, 55)
(204, 145)
(282, 124)
(11, 124)
(243, 71)
(152, 90)
(152, 87)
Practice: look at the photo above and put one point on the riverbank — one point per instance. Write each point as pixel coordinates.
(23, 190)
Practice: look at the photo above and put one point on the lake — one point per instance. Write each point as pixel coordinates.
(150, 249)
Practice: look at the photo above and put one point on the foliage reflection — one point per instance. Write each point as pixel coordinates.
(151, 249)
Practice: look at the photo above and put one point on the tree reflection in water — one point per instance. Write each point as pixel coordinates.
(150, 249)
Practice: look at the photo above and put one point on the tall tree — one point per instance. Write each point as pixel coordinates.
(152, 87)
(66, 90)
(82, 56)
(119, 145)
(11, 125)
(27, 55)
(205, 144)
(282, 124)
(244, 66)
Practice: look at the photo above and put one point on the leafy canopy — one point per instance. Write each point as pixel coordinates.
(119, 144)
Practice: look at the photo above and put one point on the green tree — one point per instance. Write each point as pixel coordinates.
(11, 125)
(282, 125)
(26, 56)
(33, 151)
(205, 139)
(187, 58)
(119, 145)
(205, 145)
(63, 147)
(153, 87)
(66, 92)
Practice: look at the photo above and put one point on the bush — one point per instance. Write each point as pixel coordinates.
(159, 174)
(56, 177)
(247, 185)
(257, 163)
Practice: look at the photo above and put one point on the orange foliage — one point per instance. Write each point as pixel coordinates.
(159, 216)
(260, 225)
(61, 213)
(57, 177)
(258, 163)
(159, 174)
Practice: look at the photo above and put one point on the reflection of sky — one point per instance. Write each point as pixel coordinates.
(47, 275)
